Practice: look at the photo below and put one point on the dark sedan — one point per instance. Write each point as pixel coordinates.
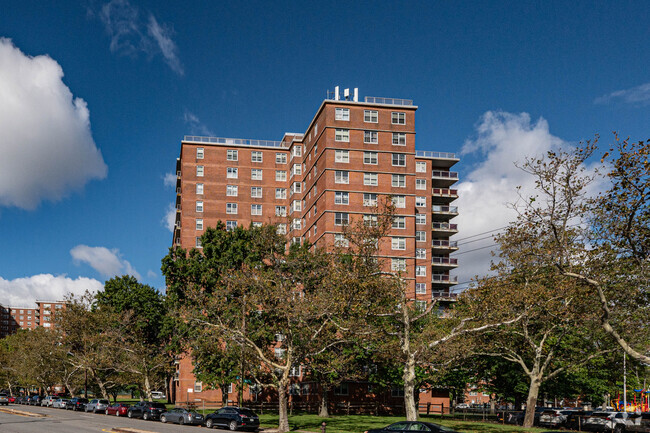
(76, 404)
(235, 418)
(411, 426)
(181, 416)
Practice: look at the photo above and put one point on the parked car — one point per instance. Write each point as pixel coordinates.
(553, 418)
(410, 426)
(640, 423)
(462, 406)
(76, 403)
(118, 409)
(146, 410)
(48, 400)
(59, 403)
(181, 416)
(576, 419)
(158, 395)
(4, 399)
(12, 399)
(97, 405)
(235, 418)
(607, 421)
(35, 400)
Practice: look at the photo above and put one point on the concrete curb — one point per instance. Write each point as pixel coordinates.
(129, 430)
(23, 413)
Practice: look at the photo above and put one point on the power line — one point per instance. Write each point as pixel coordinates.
(480, 234)
(474, 249)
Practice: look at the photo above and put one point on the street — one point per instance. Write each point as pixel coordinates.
(65, 421)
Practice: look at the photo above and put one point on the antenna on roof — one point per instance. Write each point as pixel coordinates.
(356, 94)
(336, 93)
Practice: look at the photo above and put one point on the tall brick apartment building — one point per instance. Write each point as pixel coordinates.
(312, 184)
(14, 318)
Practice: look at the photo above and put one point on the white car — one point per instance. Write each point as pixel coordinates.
(157, 395)
(59, 403)
(48, 401)
(608, 421)
(462, 406)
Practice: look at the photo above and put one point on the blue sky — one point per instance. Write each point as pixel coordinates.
(493, 81)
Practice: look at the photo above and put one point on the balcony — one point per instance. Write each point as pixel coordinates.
(438, 159)
(443, 213)
(443, 295)
(443, 195)
(449, 280)
(444, 178)
(444, 229)
(442, 262)
(442, 246)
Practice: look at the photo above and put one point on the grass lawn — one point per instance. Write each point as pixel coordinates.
(361, 423)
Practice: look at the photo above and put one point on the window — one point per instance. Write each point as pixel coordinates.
(420, 184)
(199, 171)
(399, 201)
(421, 167)
(420, 271)
(399, 159)
(256, 174)
(199, 224)
(256, 192)
(297, 224)
(198, 243)
(370, 179)
(231, 208)
(231, 155)
(231, 190)
(399, 222)
(398, 265)
(297, 187)
(342, 114)
(341, 176)
(370, 158)
(398, 181)
(280, 158)
(199, 188)
(420, 202)
(297, 169)
(281, 211)
(398, 243)
(256, 209)
(280, 175)
(199, 153)
(231, 173)
(297, 206)
(420, 236)
(256, 156)
(341, 219)
(420, 253)
(342, 135)
(420, 218)
(280, 193)
(341, 156)
(398, 118)
(369, 199)
(199, 206)
(340, 240)
(420, 288)
(370, 220)
(297, 150)
(399, 139)
(370, 137)
(370, 116)
(341, 198)
(282, 229)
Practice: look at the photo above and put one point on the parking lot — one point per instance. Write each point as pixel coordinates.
(65, 421)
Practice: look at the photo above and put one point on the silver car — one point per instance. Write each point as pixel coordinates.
(59, 403)
(97, 405)
(181, 416)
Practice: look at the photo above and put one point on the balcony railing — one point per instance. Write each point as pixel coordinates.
(444, 209)
(444, 226)
(436, 243)
(445, 174)
(438, 260)
(388, 101)
(443, 294)
(435, 155)
(235, 141)
(444, 192)
(444, 279)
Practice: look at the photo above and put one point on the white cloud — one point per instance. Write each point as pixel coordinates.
(108, 263)
(639, 95)
(130, 35)
(169, 220)
(169, 180)
(502, 140)
(46, 143)
(195, 125)
(151, 274)
(24, 292)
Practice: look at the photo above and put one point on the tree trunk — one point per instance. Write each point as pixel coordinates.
(409, 389)
(283, 422)
(531, 402)
(102, 387)
(224, 394)
(323, 411)
(493, 405)
(147, 387)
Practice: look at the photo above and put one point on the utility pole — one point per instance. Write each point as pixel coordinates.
(624, 384)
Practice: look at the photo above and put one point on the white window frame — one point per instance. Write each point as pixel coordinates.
(370, 220)
(420, 288)
(369, 199)
(342, 176)
(231, 208)
(297, 150)
(420, 253)
(342, 156)
(399, 201)
(370, 158)
(232, 173)
(341, 218)
(280, 193)
(281, 229)
(398, 181)
(370, 179)
(371, 137)
(256, 156)
(199, 189)
(342, 114)
(296, 187)
(420, 218)
(198, 224)
(420, 201)
(200, 171)
(297, 206)
(200, 153)
(398, 118)
(420, 166)
(420, 236)
(256, 192)
(399, 222)
(341, 197)
(198, 244)
(232, 155)
(398, 243)
(397, 265)
(340, 240)
(199, 206)
(281, 211)
(256, 174)
(280, 158)
(420, 271)
(232, 190)
(297, 169)
(399, 139)
(342, 135)
(280, 175)
(399, 158)
(256, 209)
(420, 184)
(370, 116)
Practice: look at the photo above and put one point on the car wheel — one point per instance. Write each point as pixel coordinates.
(129, 414)
(208, 423)
(163, 419)
(181, 421)
(233, 425)
(145, 416)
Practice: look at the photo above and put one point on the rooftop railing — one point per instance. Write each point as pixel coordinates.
(234, 141)
(436, 155)
(388, 101)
